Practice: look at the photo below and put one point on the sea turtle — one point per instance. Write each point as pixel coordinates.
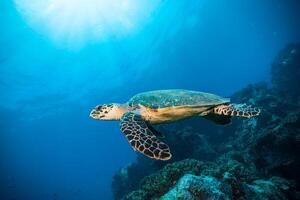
(164, 106)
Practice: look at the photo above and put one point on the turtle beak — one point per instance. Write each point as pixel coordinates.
(94, 113)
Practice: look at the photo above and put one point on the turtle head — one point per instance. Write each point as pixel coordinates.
(112, 111)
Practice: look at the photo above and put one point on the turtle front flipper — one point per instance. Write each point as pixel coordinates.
(239, 110)
(141, 137)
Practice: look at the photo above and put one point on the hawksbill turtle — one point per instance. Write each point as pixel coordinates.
(165, 106)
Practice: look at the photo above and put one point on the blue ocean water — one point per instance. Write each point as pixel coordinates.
(60, 58)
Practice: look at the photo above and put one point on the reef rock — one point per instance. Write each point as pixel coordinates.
(158, 183)
(222, 180)
(191, 187)
(196, 187)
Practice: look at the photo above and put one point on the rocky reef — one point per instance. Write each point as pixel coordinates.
(256, 158)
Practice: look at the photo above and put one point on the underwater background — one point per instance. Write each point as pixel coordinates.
(60, 58)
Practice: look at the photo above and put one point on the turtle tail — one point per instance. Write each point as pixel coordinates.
(239, 110)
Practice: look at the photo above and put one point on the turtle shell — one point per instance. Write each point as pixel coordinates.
(177, 97)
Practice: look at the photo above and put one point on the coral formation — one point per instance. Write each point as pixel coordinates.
(196, 187)
(253, 158)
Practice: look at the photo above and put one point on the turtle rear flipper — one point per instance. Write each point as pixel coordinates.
(239, 110)
(142, 138)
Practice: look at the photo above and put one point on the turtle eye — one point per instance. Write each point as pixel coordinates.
(98, 108)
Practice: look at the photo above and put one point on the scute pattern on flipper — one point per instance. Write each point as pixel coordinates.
(141, 138)
(177, 97)
(239, 110)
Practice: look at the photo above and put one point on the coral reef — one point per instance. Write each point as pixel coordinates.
(209, 188)
(256, 158)
(195, 187)
(161, 181)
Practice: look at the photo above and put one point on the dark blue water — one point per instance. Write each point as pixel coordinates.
(60, 58)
